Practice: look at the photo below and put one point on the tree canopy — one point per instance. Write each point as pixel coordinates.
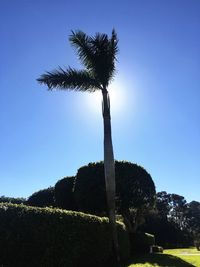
(64, 197)
(135, 190)
(42, 198)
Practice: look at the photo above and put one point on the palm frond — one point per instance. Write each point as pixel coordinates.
(70, 79)
(114, 44)
(82, 44)
(112, 56)
(105, 51)
(97, 53)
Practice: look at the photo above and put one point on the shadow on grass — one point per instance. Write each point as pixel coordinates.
(162, 260)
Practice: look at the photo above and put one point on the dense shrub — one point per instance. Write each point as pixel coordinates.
(64, 197)
(135, 191)
(42, 198)
(134, 187)
(89, 190)
(46, 237)
(141, 242)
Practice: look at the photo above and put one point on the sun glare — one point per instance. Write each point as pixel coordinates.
(116, 99)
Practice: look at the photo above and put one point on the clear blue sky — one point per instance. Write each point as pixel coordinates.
(45, 136)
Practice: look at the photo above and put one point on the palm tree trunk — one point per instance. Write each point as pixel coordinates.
(109, 169)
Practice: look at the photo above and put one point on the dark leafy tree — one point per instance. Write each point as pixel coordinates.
(135, 191)
(171, 207)
(13, 200)
(64, 197)
(193, 216)
(163, 200)
(42, 198)
(193, 221)
(97, 55)
(178, 209)
(168, 223)
(167, 233)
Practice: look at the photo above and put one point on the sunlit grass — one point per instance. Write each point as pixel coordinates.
(170, 258)
(185, 255)
(182, 251)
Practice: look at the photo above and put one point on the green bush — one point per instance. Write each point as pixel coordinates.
(141, 242)
(135, 189)
(46, 237)
(64, 197)
(42, 198)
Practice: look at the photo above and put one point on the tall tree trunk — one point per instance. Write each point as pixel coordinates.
(109, 169)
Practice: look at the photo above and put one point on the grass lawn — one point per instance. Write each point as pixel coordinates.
(170, 258)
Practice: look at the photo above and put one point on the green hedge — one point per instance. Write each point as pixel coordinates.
(141, 242)
(64, 195)
(31, 236)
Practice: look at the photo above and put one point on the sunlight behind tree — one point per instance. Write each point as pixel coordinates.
(118, 99)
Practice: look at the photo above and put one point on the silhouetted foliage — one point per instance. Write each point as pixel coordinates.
(193, 221)
(169, 222)
(135, 191)
(64, 197)
(42, 198)
(89, 189)
(32, 236)
(18, 200)
(167, 234)
(193, 216)
(178, 208)
(163, 204)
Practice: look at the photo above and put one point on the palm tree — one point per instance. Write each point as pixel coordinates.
(98, 55)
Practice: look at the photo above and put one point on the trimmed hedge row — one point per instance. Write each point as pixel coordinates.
(46, 237)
